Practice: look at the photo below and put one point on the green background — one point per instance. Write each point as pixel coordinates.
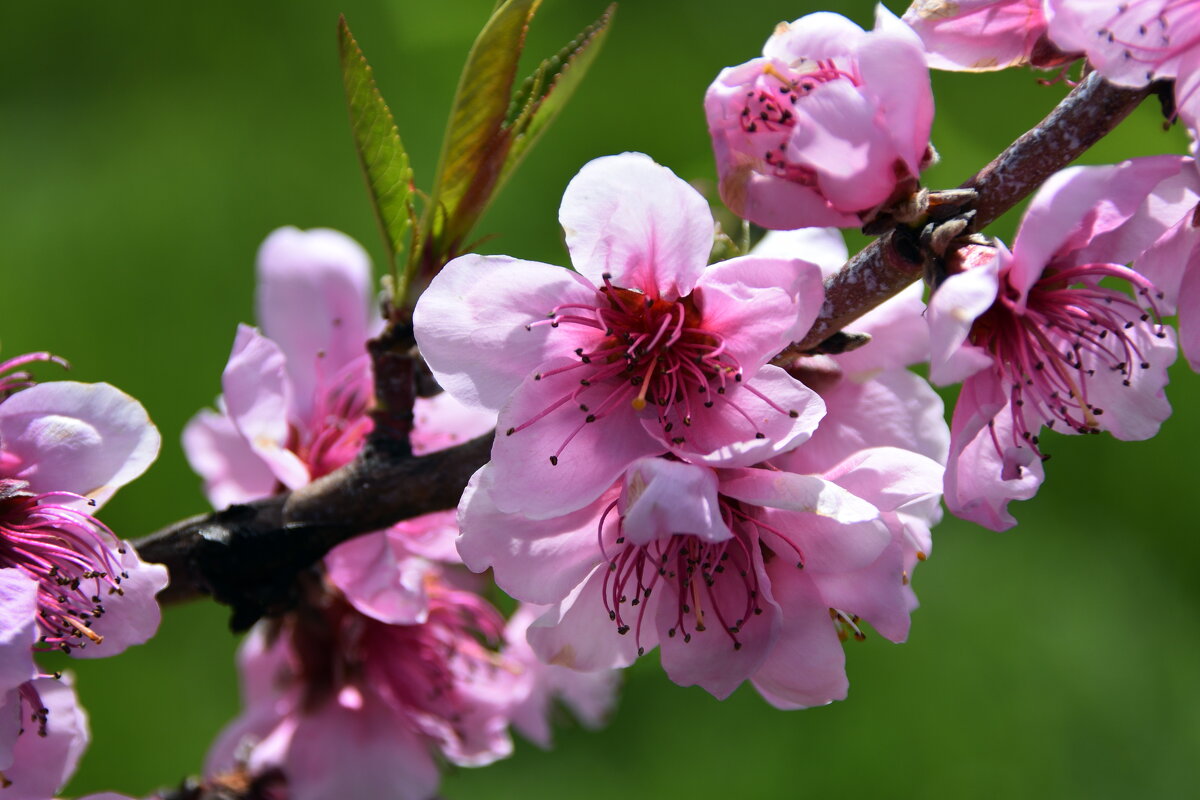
(147, 148)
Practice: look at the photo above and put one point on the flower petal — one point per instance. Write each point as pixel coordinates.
(749, 424)
(561, 462)
(217, 451)
(258, 398)
(636, 220)
(578, 634)
(662, 498)
(806, 667)
(314, 296)
(759, 305)
(539, 561)
(472, 323)
(86, 438)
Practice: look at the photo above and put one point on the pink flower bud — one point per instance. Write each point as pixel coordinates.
(830, 124)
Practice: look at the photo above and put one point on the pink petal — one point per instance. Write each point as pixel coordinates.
(232, 471)
(578, 634)
(815, 37)
(662, 498)
(978, 35)
(982, 478)
(1189, 323)
(636, 220)
(132, 616)
(791, 492)
(539, 561)
(314, 296)
(365, 752)
(840, 134)
(807, 666)
(896, 408)
(43, 764)
(759, 305)
(1135, 412)
(86, 438)
(889, 477)
(471, 323)
(18, 630)
(749, 424)
(825, 247)
(1123, 41)
(953, 309)
(588, 457)
(1080, 215)
(442, 421)
(708, 658)
(891, 66)
(258, 398)
(899, 335)
(878, 592)
(380, 579)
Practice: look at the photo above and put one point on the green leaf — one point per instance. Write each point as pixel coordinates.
(475, 142)
(546, 91)
(381, 155)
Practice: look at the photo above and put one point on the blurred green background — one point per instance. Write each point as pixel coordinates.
(147, 148)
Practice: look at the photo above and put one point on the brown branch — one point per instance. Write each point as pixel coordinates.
(248, 556)
(892, 262)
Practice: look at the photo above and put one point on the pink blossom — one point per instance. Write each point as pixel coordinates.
(983, 35)
(1037, 341)
(341, 704)
(65, 448)
(589, 695)
(643, 350)
(830, 124)
(720, 568)
(1134, 43)
(295, 407)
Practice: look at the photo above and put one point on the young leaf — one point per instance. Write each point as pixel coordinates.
(546, 91)
(475, 145)
(381, 154)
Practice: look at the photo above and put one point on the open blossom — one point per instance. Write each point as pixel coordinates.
(1136, 42)
(295, 407)
(340, 704)
(830, 124)
(65, 448)
(984, 35)
(1039, 342)
(643, 350)
(726, 570)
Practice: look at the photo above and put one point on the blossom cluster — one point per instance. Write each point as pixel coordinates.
(393, 659)
(654, 479)
(669, 468)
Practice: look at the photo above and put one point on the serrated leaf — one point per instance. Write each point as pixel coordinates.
(475, 141)
(547, 90)
(381, 155)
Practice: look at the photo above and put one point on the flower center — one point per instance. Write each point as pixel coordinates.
(339, 422)
(768, 117)
(710, 583)
(1051, 352)
(650, 353)
(73, 557)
